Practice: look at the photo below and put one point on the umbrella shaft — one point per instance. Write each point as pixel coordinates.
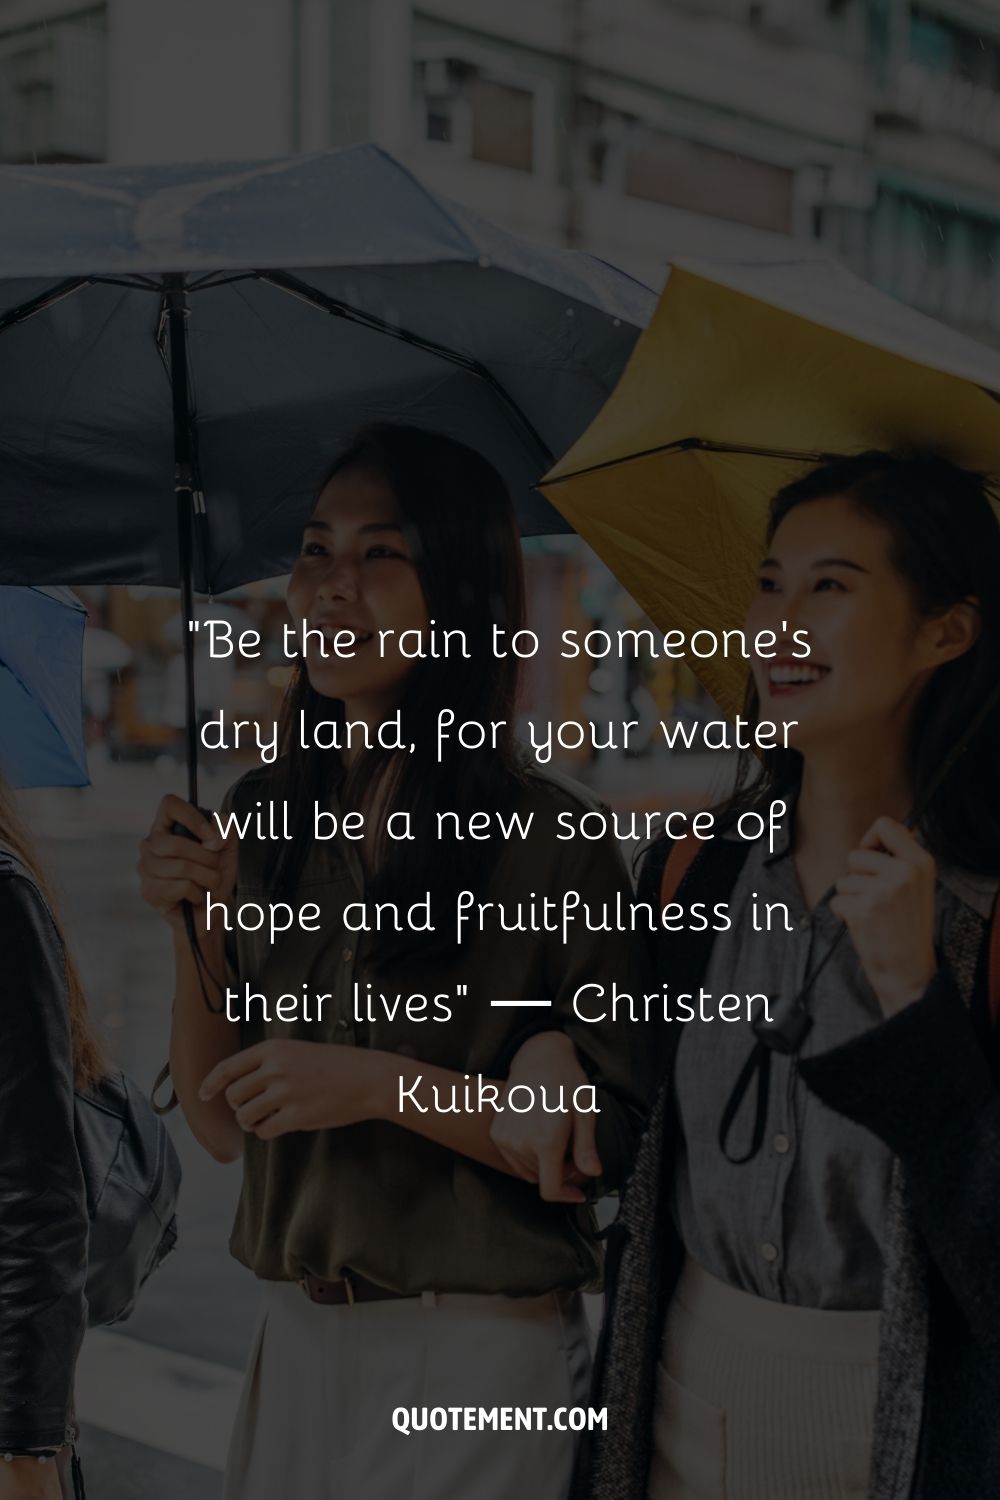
(185, 491)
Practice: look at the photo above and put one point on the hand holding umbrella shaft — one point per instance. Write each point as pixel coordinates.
(182, 858)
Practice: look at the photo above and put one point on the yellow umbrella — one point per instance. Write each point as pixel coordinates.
(744, 377)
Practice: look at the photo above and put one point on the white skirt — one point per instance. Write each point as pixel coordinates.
(315, 1417)
(760, 1400)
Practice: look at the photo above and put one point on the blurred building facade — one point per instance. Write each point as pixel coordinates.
(636, 129)
(633, 128)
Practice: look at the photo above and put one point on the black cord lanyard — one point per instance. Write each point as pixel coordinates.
(785, 1034)
(757, 1065)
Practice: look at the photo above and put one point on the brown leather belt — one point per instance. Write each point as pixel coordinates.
(348, 1290)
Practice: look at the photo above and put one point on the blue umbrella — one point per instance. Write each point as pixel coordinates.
(183, 350)
(41, 688)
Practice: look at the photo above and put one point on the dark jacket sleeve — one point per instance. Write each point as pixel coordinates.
(922, 1082)
(43, 1210)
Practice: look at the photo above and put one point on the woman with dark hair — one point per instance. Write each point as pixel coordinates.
(807, 1298)
(406, 1266)
(47, 1051)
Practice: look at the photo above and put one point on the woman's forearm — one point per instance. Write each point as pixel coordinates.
(199, 1040)
(404, 1093)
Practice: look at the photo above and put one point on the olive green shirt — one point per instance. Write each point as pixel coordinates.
(375, 1198)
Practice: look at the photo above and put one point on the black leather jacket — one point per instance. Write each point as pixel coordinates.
(43, 1209)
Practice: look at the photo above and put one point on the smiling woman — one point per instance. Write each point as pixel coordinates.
(354, 1189)
(356, 575)
(876, 637)
(815, 1214)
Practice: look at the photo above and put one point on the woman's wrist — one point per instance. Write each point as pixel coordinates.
(544, 1051)
(29, 1476)
(896, 991)
(211, 945)
(202, 974)
(377, 1082)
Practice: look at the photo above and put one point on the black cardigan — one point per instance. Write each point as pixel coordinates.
(925, 1081)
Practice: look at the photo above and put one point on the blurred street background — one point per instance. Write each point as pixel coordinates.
(866, 129)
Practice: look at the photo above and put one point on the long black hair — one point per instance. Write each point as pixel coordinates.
(944, 540)
(466, 550)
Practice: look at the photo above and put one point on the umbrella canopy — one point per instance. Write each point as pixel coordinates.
(240, 321)
(746, 375)
(41, 689)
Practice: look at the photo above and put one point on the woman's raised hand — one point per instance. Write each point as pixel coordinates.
(558, 1151)
(174, 868)
(887, 901)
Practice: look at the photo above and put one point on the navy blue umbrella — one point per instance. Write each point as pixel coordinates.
(184, 349)
(41, 688)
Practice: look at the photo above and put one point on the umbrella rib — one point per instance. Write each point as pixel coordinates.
(134, 283)
(332, 305)
(215, 278)
(45, 299)
(689, 445)
(61, 289)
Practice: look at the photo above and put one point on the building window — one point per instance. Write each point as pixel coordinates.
(53, 90)
(943, 47)
(941, 261)
(624, 153)
(502, 124)
(949, 81)
(930, 43)
(703, 179)
(481, 111)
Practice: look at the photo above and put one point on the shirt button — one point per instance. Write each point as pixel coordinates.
(347, 955)
(769, 1252)
(342, 1023)
(781, 1143)
(805, 923)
